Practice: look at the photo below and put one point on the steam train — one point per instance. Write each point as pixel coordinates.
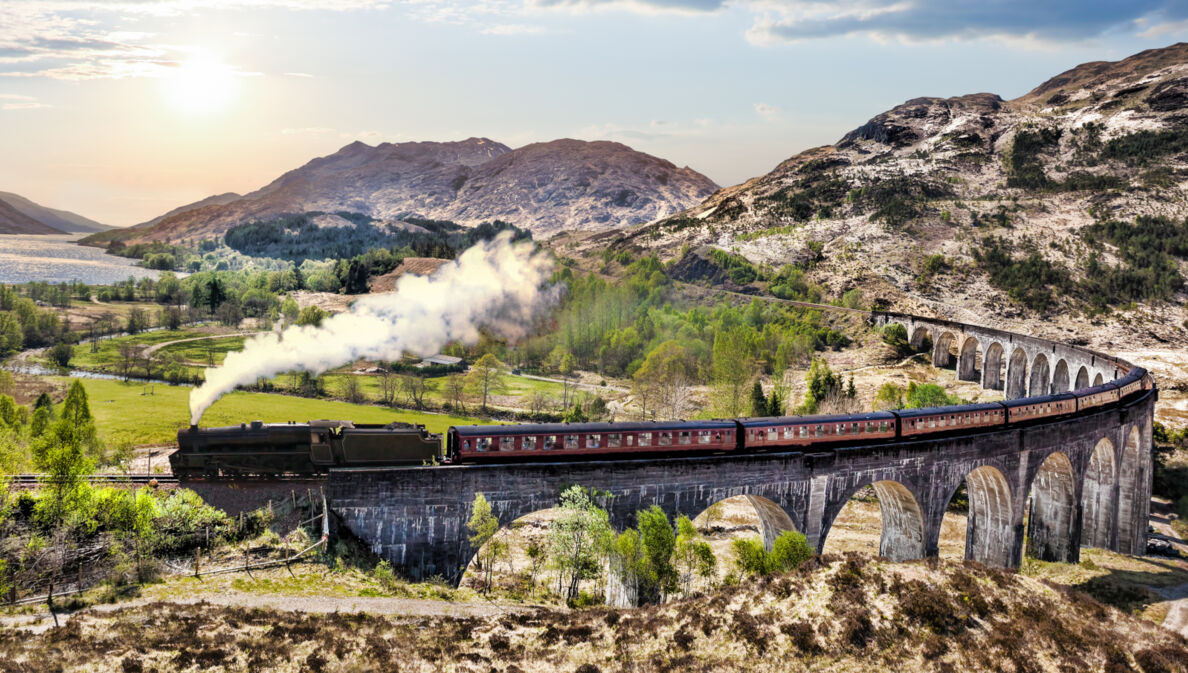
(259, 449)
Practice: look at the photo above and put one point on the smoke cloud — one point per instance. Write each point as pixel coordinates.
(496, 285)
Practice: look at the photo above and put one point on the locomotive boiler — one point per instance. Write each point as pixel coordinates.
(267, 449)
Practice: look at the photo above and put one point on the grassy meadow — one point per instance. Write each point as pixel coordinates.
(144, 414)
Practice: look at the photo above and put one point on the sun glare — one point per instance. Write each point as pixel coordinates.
(201, 85)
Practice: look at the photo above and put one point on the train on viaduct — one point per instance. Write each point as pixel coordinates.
(1084, 477)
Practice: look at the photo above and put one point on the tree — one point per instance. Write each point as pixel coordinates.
(215, 293)
(60, 354)
(486, 377)
(290, 310)
(693, 556)
(537, 554)
(137, 321)
(822, 383)
(170, 317)
(129, 353)
(414, 389)
(668, 371)
(351, 391)
(789, 550)
(895, 336)
(389, 384)
(311, 315)
(925, 395)
(482, 526)
(888, 398)
(455, 390)
(627, 563)
(733, 368)
(658, 541)
(758, 401)
(576, 538)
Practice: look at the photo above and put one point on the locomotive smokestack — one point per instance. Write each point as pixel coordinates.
(193, 427)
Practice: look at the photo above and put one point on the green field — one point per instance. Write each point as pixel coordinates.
(108, 354)
(153, 413)
(203, 351)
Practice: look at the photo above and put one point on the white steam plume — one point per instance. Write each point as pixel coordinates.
(498, 285)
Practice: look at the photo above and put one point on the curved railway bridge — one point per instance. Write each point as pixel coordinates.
(1085, 478)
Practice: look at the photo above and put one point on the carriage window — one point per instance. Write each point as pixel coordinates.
(571, 441)
(483, 444)
(466, 445)
(614, 440)
(841, 428)
(703, 436)
(882, 426)
(686, 437)
(804, 431)
(593, 441)
(789, 433)
(870, 426)
(773, 434)
(854, 428)
(529, 443)
(550, 442)
(819, 430)
(932, 422)
(630, 440)
(645, 439)
(507, 443)
(665, 439)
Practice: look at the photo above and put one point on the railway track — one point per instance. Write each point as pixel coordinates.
(144, 479)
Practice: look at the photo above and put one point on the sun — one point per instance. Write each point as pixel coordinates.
(201, 85)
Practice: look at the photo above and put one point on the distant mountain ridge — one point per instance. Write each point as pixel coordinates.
(545, 187)
(19, 215)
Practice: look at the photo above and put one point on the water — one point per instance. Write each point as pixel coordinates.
(59, 259)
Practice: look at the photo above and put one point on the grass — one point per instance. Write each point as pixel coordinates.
(1126, 582)
(107, 355)
(202, 351)
(145, 414)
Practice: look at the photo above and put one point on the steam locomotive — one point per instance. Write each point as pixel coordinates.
(315, 447)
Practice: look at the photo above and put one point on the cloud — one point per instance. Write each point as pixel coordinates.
(1050, 20)
(305, 75)
(767, 111)
(640, 6)
(12, 101)
(512, 29)
(82, 39)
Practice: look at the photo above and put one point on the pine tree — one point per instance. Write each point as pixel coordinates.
(758, 400)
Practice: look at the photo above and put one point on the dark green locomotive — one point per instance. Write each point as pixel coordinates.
(272, 449)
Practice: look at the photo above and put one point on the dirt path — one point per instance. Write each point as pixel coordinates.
(402, 608)
(156, 347)
(572, 382)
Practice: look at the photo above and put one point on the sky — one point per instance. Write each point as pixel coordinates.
(121, 110)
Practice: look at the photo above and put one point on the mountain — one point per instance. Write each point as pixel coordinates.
(545, 187)
(61, 221)
(13, 221)
(1061, 211)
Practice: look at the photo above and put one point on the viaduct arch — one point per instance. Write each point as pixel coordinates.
(1085, 479)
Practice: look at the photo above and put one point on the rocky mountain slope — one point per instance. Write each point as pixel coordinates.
(1059, 212)
(545, 187)
(46, 220)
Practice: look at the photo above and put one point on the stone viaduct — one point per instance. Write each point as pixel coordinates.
(1082, 480)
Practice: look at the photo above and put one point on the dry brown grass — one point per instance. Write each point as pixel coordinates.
(847, 613)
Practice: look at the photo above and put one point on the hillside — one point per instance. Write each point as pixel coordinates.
(13, 221)
(1061, 212)
(544, 187)
(834, 614)
(63, 221)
